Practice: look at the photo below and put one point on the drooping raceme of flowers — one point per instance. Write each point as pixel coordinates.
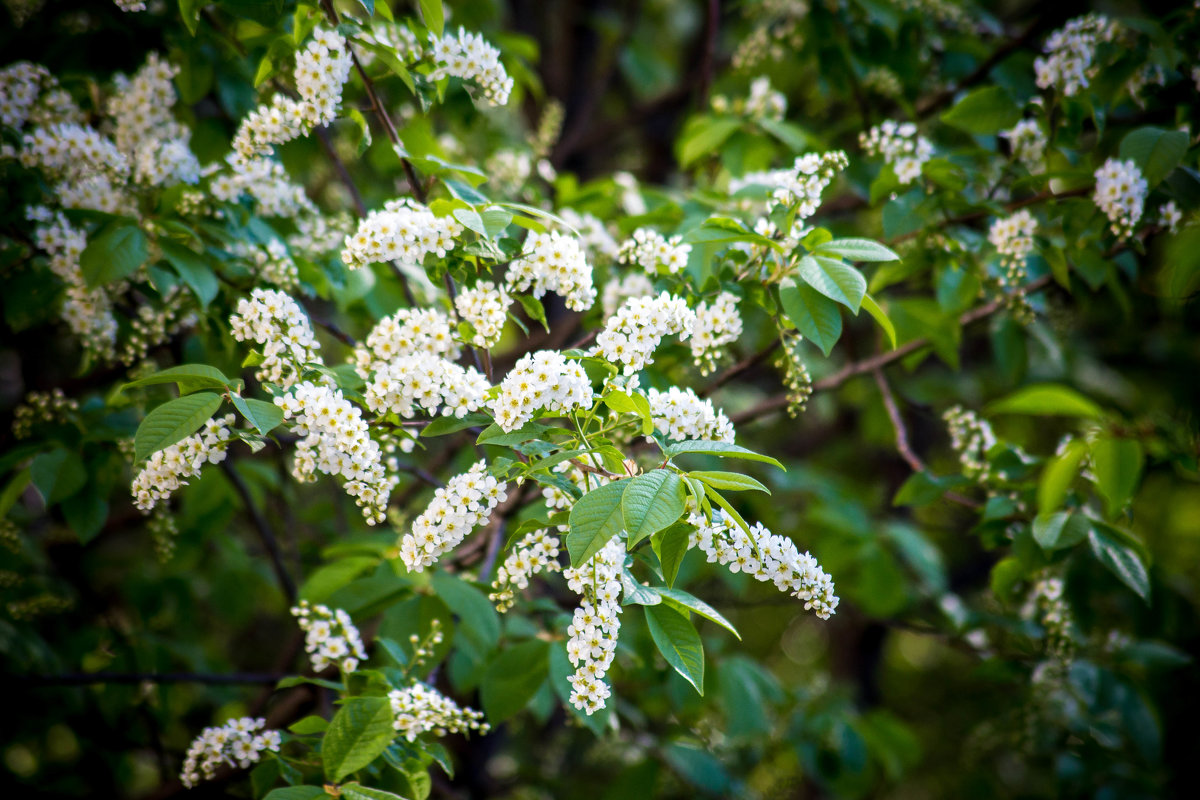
(38, 407)
(545, 380)
(169, 468)
(717, 326)
(652, 251)
(724, 542)
(901, 147)
(329, 637)
(485, 306)
(266, 182)
(403, 231)
(535, 552)
(680, 415)
(618, 290)
(463, 503)
(1120, 194)
(272, 262)
(470, 57)
(146, 132)
(763, 102)
(419, 709)
(796, 378)
(595, 625)
(337, 442)
(631, 336)
(799, 185)
(1028, 144)
(428, 382)
(1012, 236)
(235, 744)
(1069, 52)
(275, 322)
(554, 262)
(409, 331)
(971, 437)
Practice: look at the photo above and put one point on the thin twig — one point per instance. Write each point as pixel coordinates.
(265, 533)
(740, 367)
(931, 103)
(983, 212)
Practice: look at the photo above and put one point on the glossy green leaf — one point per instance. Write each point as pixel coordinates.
(595, 519)
(678, 641)
(858, 250)
(262, 415)
(189, 378)
(114, 253)
(193, 269)
(1060, 530)
(834, 279)
(1058, 475)
(1117, 464)
(814, 315)
(651, 502)
(716, 448)
(734, 481)
(880, 316)
(173, 421)
(57, 474)
(1156, 151)
(358, 733)
(671, 545)
(685, 600)
(1111, 548)
(433, 16)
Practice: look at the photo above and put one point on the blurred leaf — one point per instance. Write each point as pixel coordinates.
(983, 111)
(114, 253)
(1155, 151)
(1058, 475)
(1045, 399)
(1112, 550)
(513, 678)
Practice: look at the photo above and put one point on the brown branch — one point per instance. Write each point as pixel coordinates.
(740, 367)
(265, 532)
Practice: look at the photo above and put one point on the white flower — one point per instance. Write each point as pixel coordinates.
(235, 744)
(631, 336)
(485, 306)
(465, 502)
(716, 327)
(275, 321)
(594, 237)
(618, 290)
(420, 709)
(1120, 194)
(1170, 215)
(426, 381)
(470, 57)
(408, 332)
(330, 637)
(1012, 237)
(554, 262)
(972, 438)
(680, 415)
(595, 624)
(901, 146)
(403, 231)
(169, 468)
(801, 184)
(651, 251)
(1070, 51)
(1028, 144)
(544, 380)
(535, 552)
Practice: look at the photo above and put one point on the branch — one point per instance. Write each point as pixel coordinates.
(740, 367)
(265, 533)
(983, 212)
(930, 104)
(135, 678)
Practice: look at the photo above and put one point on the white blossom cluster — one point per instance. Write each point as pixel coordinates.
(37, 407)
(29, 93)
(169, 468)
(329, 637)
(554, 262)
(428, 382)
(558, 499)
(1069, 52)
(420, 709)
(776, 35)
(322, 68)
(68, 150)
(763, 102)
(1170, 216)
(800, 185)
(901, 147)
(724, 542)
(407, 332)
(652, 251)
(716, 326)
(271, 261)
(145, 130)
(1028, 143)
(594, 237)
(797, 378)
(485, 306)
(131, 5)
(1120, 194)
(151, 325)
(971, 437)
(470, 57)
(618, 290)
(1048, 604)
(275, 321)
(631, 336)
(535, 552)
(543, 380)
(595, 625)
(464, 502)
(1012, 236)
(403, 231)
(679, 415)
(265, 181)
(235, 744)
(337, 442)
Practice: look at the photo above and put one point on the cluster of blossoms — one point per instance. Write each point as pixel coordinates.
(594, 237)
(652, 251)
(535, 552)
(169, 468)
(469, 56)
(971, 437)
(883, 81)
(322, 68)
(558, 499)
(146, 132)
(680, 415)
(716, 326)
(1070, 50)
(768, 557)
(554, 262)
(423, 380)
(618, 290)
(131, 5)
(152, 326)
(776, 35)
(901, 147)
(264, 181)
(52, 406)
(1048, 603)
(337, 442)
(1120, 194)
(546, 380)
(485, 306)
(595, 625)
(465, 501)
(420, 709)
(631, 336)
(1012, 237)
(802, 184)
(763, 102)
(797, 378)
(329, 637)
(73, 151)
(271, 261)
(236, 743)
(403, 231)
(1028, 143)
(1170, 216)
(21, 84)
(275, 322)
(409, 331)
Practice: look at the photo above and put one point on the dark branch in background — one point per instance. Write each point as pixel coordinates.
(707, 57)
(933, 103)
(982, 213)
(740, 367)
(339, 167)
(137, 678)
(265, 533)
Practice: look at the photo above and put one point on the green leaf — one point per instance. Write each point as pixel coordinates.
(434, 16)
(858, 250)
(480, 624)
(1117, 464)
(496, 220)
(1060, 530)
(86, 512)
(534, 308)
(190, 11)
(173, 421)
(494, 434)
(262, 415)
(704, 135)
(296, 793)
(595, 518)
(470, 218)
(1058, 475)
(651, 502)
(715, 496)
(369, 7)
(814, 315)
(358, 733)
(445, 425)
(1110, 546)
(1156, 151)
(678, 642)
(189, 377)
(1045, 399)
(466, 193)
(115, 253)
(309, 725)
(734, 481)
(983, 111)
(671, 545)
(513, 678)
(682, 598)
(356, 791)
(193, 269)
(713, 448)
(880, 316)
(834, 279)
(57, 474)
